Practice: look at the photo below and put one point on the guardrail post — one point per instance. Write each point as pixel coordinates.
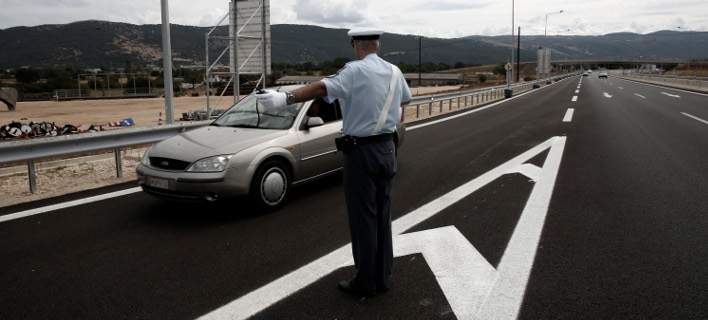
(417, 111)
(430, 108)
(458, 102)
(441, 105)
(32, 175)
(119, 162)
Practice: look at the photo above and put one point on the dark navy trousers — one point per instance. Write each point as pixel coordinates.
(368, 172)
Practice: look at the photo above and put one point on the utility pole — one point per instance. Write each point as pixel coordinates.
(264, 44)
(518, 55)
(167, 62)
(420, 61)
(509, 92)
(511, 60)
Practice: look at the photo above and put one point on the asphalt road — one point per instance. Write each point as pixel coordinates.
(624, 234)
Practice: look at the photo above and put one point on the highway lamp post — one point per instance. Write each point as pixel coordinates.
(167, 62)
(508, 92)
(545, 38)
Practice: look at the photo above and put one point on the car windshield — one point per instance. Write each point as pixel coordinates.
(249, 114)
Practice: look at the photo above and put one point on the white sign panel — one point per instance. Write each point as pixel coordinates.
(248, 21)
(544, 61)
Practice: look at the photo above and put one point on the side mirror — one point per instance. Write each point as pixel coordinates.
(314, 122)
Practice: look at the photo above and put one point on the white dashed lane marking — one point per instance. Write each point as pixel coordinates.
(607, 95)
(639, 95)
(575, 99)
(569, 115)
(695, 118)
(671, 95)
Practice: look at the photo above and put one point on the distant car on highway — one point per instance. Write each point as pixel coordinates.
(602, 75)
(249, 151)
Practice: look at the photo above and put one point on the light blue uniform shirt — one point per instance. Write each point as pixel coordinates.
(361, 87)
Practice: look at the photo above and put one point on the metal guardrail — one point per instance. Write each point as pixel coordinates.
(470, 98)
(30, 151)
(690, 83)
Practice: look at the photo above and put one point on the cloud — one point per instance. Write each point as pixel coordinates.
(443, 18)
(452, 5)
(331, 12)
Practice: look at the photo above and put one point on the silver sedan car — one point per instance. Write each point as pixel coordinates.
(249, 151)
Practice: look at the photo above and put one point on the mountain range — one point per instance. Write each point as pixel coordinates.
(112, 44)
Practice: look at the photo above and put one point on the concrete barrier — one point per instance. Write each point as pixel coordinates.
(9, 97)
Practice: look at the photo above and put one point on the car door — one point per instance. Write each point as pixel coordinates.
(318, 153)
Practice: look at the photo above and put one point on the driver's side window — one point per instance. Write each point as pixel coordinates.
(329, 112)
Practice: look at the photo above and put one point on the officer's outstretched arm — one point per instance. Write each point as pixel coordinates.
(309, 92)
(275, 99)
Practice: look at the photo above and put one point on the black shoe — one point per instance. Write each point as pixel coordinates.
(350, 287)
(382, 289)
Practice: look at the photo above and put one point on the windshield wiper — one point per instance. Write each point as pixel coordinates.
(243, 126)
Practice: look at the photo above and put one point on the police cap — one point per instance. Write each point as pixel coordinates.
(365, 34)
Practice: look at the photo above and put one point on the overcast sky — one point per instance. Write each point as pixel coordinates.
(440, 18)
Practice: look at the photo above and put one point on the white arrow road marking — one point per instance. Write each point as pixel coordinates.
(471, 285)
(569, 115)
(575, 99)
(639, 95)
(504, 301)
(694, 117)
(670, 95)
(607, 95)
(464, 275)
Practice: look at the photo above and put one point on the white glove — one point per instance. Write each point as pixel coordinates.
(272, 99)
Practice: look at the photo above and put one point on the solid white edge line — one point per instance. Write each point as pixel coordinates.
(664, 87)
(694, 117)
(68, 204)
(422, 125)
(569, 115)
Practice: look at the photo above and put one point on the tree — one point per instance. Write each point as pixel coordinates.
(27, 75)
(500, 69)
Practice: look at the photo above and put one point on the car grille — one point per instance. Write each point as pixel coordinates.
(168, 164)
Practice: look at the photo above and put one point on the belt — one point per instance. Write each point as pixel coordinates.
(370, 139)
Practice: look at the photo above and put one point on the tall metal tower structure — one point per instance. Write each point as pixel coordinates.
(248, 44)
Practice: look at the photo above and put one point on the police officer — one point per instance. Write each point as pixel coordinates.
(371, 92)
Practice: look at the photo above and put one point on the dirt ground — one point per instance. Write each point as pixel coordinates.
(145, 112)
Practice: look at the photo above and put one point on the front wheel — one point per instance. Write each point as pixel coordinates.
(271, 185)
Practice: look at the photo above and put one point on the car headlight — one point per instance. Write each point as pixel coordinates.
(212, 164)
(146, 160)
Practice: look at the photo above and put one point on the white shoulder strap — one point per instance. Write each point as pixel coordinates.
(387, 103)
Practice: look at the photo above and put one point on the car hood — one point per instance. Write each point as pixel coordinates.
(211, 141)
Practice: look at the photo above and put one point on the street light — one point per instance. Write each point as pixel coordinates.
(167, 62)
(508, 92)
(545, 30)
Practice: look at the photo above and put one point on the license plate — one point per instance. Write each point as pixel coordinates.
(158, 183)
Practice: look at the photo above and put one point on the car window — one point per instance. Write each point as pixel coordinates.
(329, 112)
(248, 113)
